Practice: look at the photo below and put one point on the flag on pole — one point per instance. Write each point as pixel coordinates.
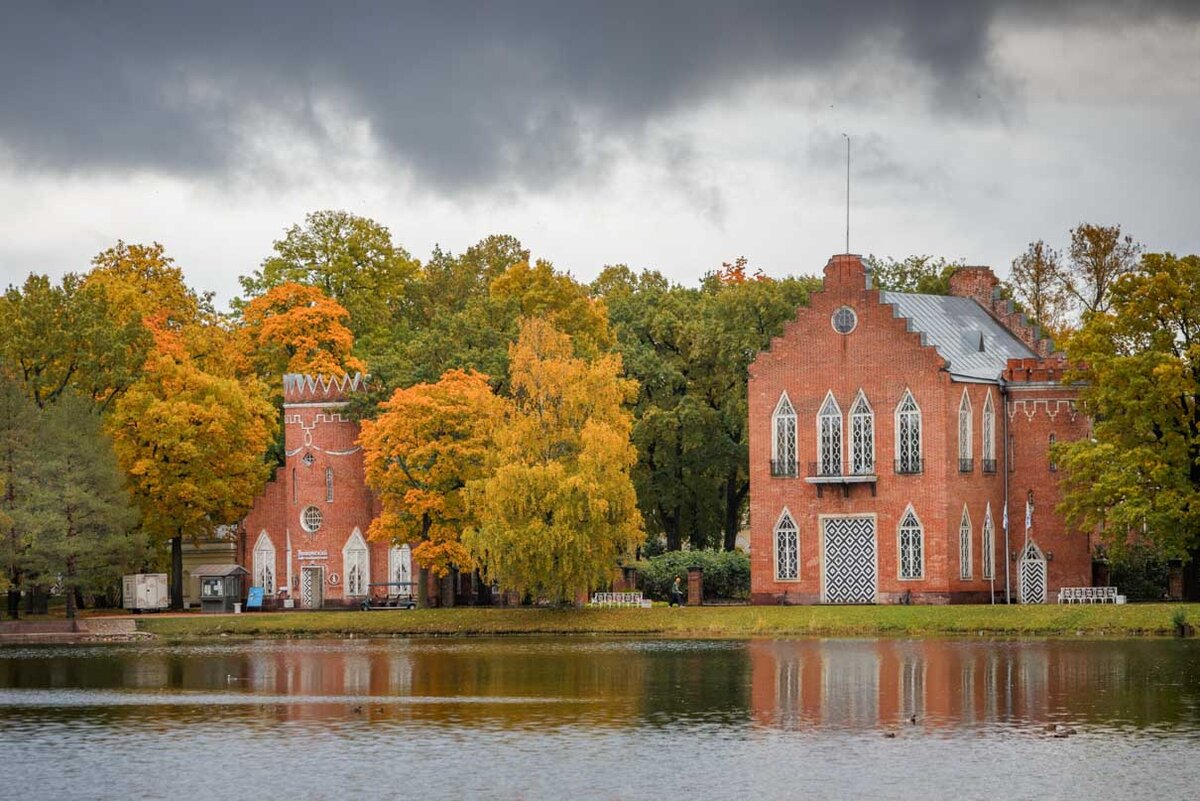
(1028, 514)
(1005, 523)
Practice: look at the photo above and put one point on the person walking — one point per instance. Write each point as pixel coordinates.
(677, 592)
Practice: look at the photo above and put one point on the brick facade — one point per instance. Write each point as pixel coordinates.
(884, 357)
(286, 549)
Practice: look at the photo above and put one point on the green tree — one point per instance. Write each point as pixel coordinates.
(18, 428)
(558, 506)
(1138, 475)
(81, 525)
(925, 275)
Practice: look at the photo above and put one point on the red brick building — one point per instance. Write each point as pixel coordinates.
(890, 433)
(305, 538)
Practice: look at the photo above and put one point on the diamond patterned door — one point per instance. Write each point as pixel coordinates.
(311, 589)
(849, 560)
(1031, 575)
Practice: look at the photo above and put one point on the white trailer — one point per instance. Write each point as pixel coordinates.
(145, 592)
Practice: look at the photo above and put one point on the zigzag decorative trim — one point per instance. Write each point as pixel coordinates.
(323, 384)
(1052, 406)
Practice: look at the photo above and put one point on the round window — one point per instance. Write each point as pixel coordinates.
(844, 320)
(310, 519)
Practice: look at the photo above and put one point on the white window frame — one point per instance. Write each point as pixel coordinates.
(356, 549)
(264, 563)
(825, 445)
(989, 544)
(902, 546)
(965, 571)
(989, 429)
(784, 416)
(785, 516)
(400, 555)
(915, 414)
(965, 427)
(862, 436)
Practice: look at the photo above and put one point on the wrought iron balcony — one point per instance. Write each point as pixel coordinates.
(909, 466)
(783, 469)
(824, 471)
(966, 465)
(826, 474)
(989, 465)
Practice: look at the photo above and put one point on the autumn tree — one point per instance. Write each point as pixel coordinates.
(1139, 472)
(295, 328)
(18, 428)
(142, 282)
(429, 441)
(192, 443)
(1037, 284)
(1097, 257)
(558, 505)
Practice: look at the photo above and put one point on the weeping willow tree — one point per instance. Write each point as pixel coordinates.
(558, 505)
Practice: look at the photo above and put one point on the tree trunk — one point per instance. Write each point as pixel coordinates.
(733, 508)
(177, 572)
(422, 587)
(450, 588)
(70, 589)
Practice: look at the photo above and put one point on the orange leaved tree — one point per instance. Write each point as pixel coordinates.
(295, 328)
(420, 452)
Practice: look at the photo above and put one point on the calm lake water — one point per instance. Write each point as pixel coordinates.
(602, 718)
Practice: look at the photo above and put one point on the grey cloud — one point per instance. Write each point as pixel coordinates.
(465, 95)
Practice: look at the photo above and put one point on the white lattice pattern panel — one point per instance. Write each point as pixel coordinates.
(850, 560)
(307, 593)
(1033, 581)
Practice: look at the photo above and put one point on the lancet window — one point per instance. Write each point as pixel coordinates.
(829, 439)
(908, 435)
(862, 436)
(964, 545)
(911, 546)
(787, 548)
(783, 440)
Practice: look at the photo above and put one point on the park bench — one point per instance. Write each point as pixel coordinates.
(618, 599)
(1090, 595)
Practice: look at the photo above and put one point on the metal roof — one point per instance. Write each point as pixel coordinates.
(976, 346)
(212, 571)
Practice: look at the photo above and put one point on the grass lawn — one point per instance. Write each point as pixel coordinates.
(710, 621)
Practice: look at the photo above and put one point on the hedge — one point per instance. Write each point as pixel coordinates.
(726, 573)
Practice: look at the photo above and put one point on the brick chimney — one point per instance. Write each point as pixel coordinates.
(975, 282)
(846, 270)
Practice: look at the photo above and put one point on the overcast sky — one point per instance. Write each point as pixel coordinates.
(665, 135)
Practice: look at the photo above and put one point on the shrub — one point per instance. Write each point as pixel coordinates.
(1140, 573)
(726, 573)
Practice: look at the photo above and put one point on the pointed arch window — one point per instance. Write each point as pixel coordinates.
(829, 438)
(356, 565)
(965, 463)
(912, 546)
(908, 435)
(862, 436)
(989, 435)
(783, 438)
(264, 564)
(1050, 451)
(400, 565)
(964, 545)
(787, 548)
(989, 547)
(329, 485)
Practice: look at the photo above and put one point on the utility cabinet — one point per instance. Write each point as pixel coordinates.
(145, 592)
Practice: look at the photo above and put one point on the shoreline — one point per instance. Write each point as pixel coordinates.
(1101, 621)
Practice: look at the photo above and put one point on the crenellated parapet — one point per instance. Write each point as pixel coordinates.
(1049, 370)
(982, 284)
(303, 388)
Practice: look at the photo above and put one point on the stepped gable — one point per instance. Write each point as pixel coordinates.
(304, 388)
(1047, 370)
(982, 285)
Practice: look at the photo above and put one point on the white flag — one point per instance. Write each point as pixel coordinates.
(1028, 515)
(1005, 524)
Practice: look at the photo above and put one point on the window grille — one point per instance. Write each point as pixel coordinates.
(989, 434)
(862, 433)
(787, 548)
(264, 565)
(989, 555)
(964, 546)
(844, 320)
(1050, 451)
(401, 564)
(964, 432)
(310, 519)
(355, 565)
(783, 445)
(911, 545)
(293, 485)
(329, 485)
(908, 435)
(829, 424)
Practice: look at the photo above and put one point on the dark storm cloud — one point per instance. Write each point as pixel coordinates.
(464, 94)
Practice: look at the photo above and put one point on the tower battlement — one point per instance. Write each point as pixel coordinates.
(1036, 371)
(304, 388)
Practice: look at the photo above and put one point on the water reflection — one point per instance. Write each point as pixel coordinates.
(939, 684)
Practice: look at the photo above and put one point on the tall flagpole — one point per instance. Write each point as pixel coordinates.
(847, 191)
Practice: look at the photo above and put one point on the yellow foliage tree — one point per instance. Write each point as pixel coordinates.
(558, 505)
(428, 442)
(295, 328)
(192, 444)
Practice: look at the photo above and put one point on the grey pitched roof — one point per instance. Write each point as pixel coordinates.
(976, 346)
(211, 571)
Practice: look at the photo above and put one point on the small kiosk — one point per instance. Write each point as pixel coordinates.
(220, 586)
